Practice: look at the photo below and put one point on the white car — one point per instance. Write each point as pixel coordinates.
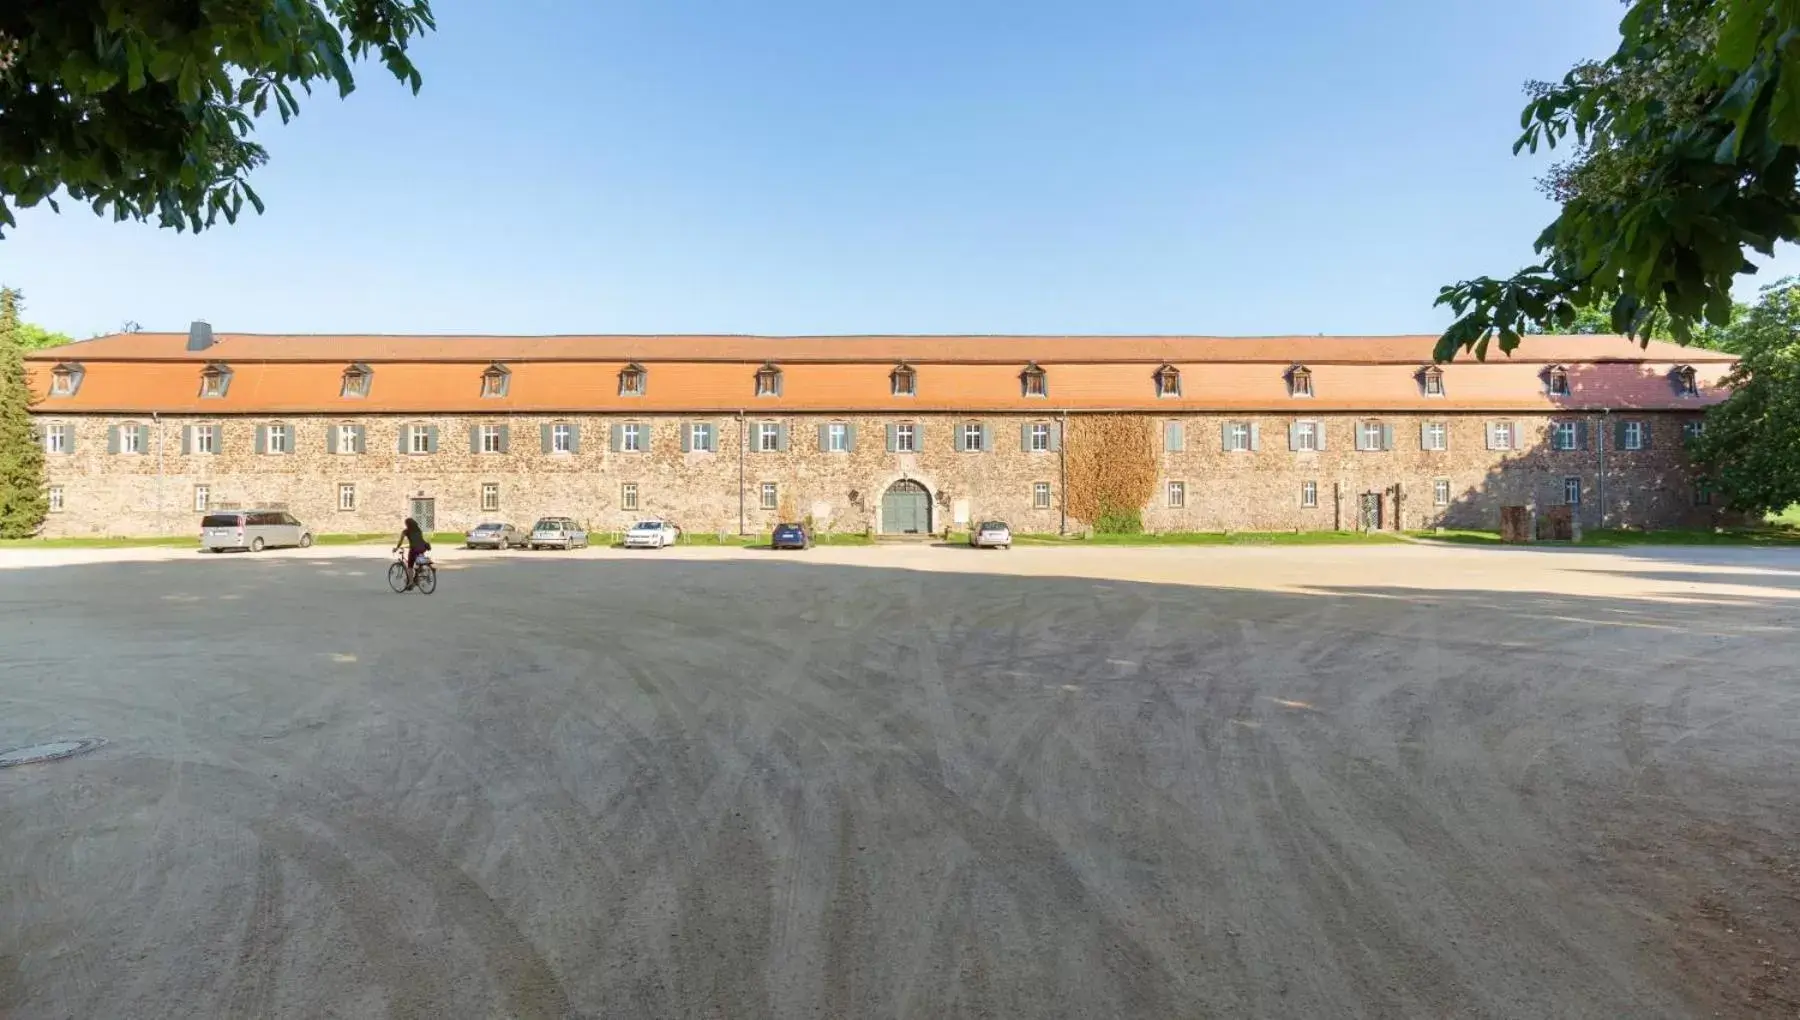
(651, 534)
(991, 535)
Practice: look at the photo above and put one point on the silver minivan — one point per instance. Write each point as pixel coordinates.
(254, 530)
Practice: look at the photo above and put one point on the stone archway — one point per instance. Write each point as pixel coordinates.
(906, 509)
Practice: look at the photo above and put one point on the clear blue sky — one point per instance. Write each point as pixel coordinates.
(814, 166)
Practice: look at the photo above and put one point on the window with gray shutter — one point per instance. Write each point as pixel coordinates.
(1387, 437)
(112, 439)
(781, 437)
(474, 439)
(1255, 436)
(987, 436)
(892, 443)
(544, 436)
(1174, 441)
(262, 439)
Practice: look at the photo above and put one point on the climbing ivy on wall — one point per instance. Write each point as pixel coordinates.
(1112, 471)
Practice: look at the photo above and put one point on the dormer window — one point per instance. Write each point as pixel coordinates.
(632, 380)
(1686, 383)
(65, 379)
(1431, 381)
(215, 379)
(1300, 381)
(1168, 381)
(496, 381)
(356, 381)
(1035, 381)
(1556, 381)
(904, 380)
(768, 381)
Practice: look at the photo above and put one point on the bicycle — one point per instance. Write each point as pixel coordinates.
(424, 574)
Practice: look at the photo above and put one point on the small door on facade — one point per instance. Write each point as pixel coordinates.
(906, 509)
(425, 512)
(1371, 511)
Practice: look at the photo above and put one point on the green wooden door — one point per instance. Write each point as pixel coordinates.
(906, 509)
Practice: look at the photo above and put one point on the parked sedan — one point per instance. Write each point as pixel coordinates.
(791, 536)
(991, 535)
(651, 534)
(557, 533)
(494, 535)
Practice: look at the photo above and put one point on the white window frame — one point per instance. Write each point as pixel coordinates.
(62, 383)
(1306, 436)
(1437, 436)
(634, 380)
(130, 431)
(904, 374)
(562, 437)
(418, 439)
(355, 384)
(1691, 430)
(1440, 492)
(275, 438)
(1634, 436)
(769, 496)
(346, 502)
(213, 383)
(1309, 495)
(700, 438)
(1564, 435)
(346, 439)
(768, 381)
(1040, 495)
(56, 437)
(56, 499)
(1434, 383)
(1036, 383)
(202, 498)
(837, 437)
(628, 496)
(1239, 433)
(631, 437)
(972, 438)
(1372, 433)
(1176, 494)
(1300, 382)
(1503, 435)
(1572, 486)
(490, 439)
(490, 497)
(1040, 437)
(768, 437)
(906, 438)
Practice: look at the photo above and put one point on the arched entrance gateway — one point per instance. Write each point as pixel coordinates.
(906, 509)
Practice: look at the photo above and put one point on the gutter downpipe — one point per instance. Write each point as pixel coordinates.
(740, 446)
(1600, 452)
(156, 419)
(1062, 485)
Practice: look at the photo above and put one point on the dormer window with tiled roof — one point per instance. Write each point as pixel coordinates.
(496, 381)
(1034, 381)
(65, 379)
(1556, 381)
(633, 380)
(1168, 381)
(1686, 383)
(768, 381)
(356, 381)
(1299, 381)
(904, 381)
(215, 379)
(1431, 381)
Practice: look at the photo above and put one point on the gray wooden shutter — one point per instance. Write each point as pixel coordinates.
(781, 437)
(987, 436)
(400, 441)
(1055, 436)
(431, 434)
(1387, 437)
(1644, 433)
(1581, 435)
(544, 436)
(1490, 435)
(144, 438)
(331, 437)
(892, 441)
(474, 438)
(1293, 435)
(69, 438)
(824, 438)
(1255, 436)
(1424, 435)
(112, 439)
(957, 432)
(262, 439)
(1025, 437)
(1225, 435)
(687, 437)
(1356, 434)
(1319, 434)
(574, 438)
(505, 438)
(187, 440)
(618, 437)
(850, 437)
(362, 440)
(709, 438)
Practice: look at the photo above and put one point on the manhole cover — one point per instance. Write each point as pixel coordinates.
(51, 751)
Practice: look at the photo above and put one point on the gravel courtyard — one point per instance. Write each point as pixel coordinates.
(904, 782)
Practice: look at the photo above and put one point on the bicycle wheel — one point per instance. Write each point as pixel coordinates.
(426, 577)
(397, 576)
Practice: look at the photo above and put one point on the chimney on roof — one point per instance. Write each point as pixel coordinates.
(199, 336)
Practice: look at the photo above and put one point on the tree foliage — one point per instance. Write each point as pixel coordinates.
(1686, 143)
(1751, 445)
(33, 337)
(23, 500)
(145, 108)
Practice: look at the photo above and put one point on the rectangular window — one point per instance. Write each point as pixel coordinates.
(346, 496)
(1370, 431)
(1300, 384)
(770, 496)
(837, 437)
(1572, 491)
(202, 498)
(700, 437)
(1306, 435)
(276, 437)
(906, 438)
(1502, 433)
(562, 439)
(56, 439)
(56, 499)
(631, 438)
(631, 382)
(1440, 492)
(628, 496)
(206, 439)
(768, 436)
(1564, 436)
(1309, 494)
(346, 439)
(1692, 430)
(1237, 436)
(1177, 495)
(62, 384)
(1040, 438)
(905, 382)
(1703, 492)
(130, 439)
(1040, 496)
(1437, 436)
(1634, 435)
(418, 439)
(1434, 384)
(1037, 384)
(972, 437)
(212, 384)
(1559, 383)
(490, 439)
(490, 495)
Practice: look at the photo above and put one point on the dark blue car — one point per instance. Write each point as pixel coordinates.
(791, 536)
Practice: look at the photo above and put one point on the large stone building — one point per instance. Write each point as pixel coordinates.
(147, 431)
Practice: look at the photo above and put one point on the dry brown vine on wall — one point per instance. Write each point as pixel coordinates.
(1112, 469)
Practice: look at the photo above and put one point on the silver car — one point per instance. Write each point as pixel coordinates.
(991, 535)
(254, 530)
(558, 533)
(493, 535)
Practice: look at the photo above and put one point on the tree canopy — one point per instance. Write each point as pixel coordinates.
(23, 501)
(144, 108)
(1685, 142)
(1751, 445)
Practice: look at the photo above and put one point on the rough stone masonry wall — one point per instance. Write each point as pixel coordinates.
(153, 492)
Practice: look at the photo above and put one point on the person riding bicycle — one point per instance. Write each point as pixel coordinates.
(413, 537)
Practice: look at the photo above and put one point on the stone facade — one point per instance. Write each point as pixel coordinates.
(154, 491)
